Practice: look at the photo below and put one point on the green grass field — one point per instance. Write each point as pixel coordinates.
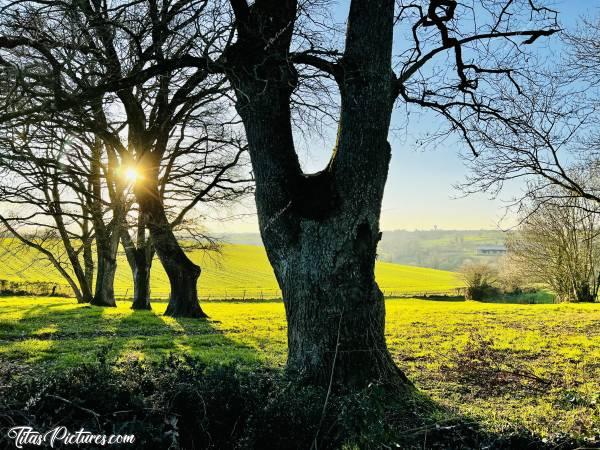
(241, 271)
(535, 366)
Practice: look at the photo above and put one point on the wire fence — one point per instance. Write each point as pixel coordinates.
(45, 289)
(394, 293)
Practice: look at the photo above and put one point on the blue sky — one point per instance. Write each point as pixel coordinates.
(419, 193)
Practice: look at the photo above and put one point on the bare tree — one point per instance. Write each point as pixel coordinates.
(52, 181)
(558, 244)
(321, 230)
(553, 139)
(203, 167)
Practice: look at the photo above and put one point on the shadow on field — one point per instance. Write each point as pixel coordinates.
(67, 335)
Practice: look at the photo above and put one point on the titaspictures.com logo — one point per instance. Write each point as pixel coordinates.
(27, 436)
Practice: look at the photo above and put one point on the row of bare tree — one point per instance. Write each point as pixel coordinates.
(126, 162)
(554, 147)
(558, 245)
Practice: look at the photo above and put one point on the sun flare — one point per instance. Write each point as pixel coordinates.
(131, 174)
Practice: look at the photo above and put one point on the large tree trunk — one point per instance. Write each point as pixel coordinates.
(107, 236)
(183, 274)
(334, 308)
(321, 230)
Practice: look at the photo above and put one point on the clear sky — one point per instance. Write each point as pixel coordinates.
(419, 193)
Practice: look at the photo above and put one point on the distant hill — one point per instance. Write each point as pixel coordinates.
(436, 249)
(439, 249)
(241, 271)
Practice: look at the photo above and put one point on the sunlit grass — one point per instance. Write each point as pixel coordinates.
(555, 342)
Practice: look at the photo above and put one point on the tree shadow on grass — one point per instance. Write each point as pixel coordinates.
(205, 340)
(151, 335)
(418, 422)
(65, 335)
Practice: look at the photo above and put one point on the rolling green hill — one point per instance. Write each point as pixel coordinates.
(436, 249)
(241, 271)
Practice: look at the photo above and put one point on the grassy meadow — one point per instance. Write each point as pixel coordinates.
(240, 272)
(501, 365)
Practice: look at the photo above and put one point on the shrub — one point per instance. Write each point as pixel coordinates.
(480, 279)
(182, 403)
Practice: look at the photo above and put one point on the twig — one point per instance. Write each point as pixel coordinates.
(93, 413)
(337, 345)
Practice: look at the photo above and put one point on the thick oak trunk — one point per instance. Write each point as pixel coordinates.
(334, 308)
(183, 274)
(321, 230)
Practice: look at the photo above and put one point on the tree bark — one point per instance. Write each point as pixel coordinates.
(107, 236)
(140, 257)
(335, 311)
(141, 282)
(107, 267)
(183, 274)
(321, 230)
(88, 252)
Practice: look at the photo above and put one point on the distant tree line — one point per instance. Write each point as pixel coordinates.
(438, 249)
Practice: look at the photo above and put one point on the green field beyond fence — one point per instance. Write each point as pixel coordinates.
(239, 272)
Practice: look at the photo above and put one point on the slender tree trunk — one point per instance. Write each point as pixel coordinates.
(140, 258)
(141, 281)
(183, 274)
(107, 248)
(51, 257)
(321, 230)
(88, 263)
(85, 289)
(88, 259)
